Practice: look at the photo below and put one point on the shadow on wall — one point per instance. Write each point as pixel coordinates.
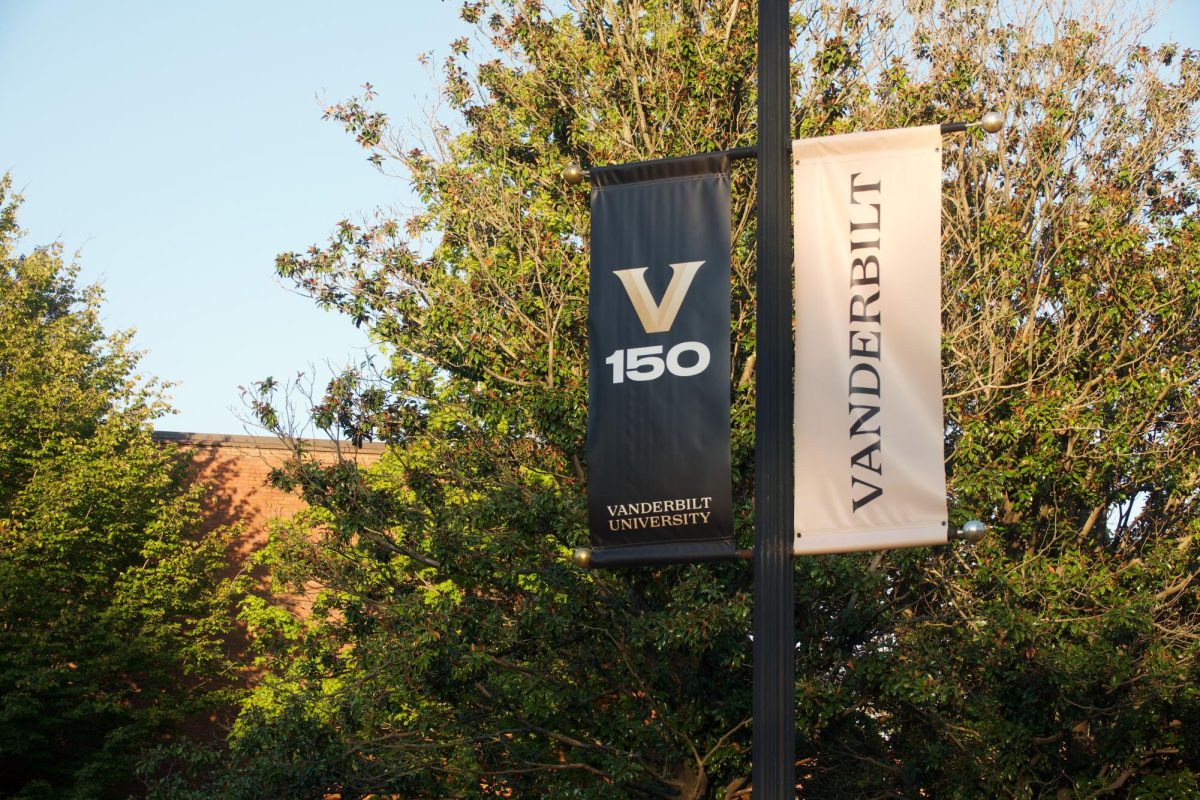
(236, 471)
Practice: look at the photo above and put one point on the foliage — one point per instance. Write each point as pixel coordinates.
(455, 653)
(111, 612)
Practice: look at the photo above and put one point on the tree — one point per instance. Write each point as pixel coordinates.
(112, 613)
(456, 653)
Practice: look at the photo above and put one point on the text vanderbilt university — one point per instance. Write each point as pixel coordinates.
(659, 513)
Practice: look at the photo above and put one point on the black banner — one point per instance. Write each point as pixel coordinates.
(658, 424)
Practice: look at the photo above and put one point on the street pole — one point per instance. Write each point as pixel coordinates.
(774, 745)
(774, 733)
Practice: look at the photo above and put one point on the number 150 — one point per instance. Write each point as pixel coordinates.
(647, 364)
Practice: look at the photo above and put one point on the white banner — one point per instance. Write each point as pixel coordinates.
(868, 420)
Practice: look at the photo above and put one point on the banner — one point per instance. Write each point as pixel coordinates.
(658, 420)
(868, 420)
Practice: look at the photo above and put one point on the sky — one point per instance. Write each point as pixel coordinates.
(179, 147)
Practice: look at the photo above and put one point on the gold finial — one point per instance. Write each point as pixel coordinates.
(972, 531)
(992, 121)
(573, 173)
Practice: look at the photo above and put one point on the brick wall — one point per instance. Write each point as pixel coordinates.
(235, 470)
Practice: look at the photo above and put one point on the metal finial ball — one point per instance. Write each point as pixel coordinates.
(582, 557)
(972, 531)
(573, 174)
(992, 121)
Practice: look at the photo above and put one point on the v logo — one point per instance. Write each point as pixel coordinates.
(658, 317)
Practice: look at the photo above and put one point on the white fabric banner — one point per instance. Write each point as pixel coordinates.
(869, 466)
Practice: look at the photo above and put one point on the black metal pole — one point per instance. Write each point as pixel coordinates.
(774, 747)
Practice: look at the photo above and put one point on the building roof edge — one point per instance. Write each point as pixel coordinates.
(265, 442)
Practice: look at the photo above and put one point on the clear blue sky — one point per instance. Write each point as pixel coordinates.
(179, 147)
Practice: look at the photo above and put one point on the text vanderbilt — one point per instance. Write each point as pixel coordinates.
(866, 335)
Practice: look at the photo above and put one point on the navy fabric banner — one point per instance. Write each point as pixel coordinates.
(658, 423)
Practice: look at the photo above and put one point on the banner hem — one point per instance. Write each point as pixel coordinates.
(859, 541)
(665, 553)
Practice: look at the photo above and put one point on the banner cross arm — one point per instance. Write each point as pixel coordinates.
(972, 532)
(991, 122)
